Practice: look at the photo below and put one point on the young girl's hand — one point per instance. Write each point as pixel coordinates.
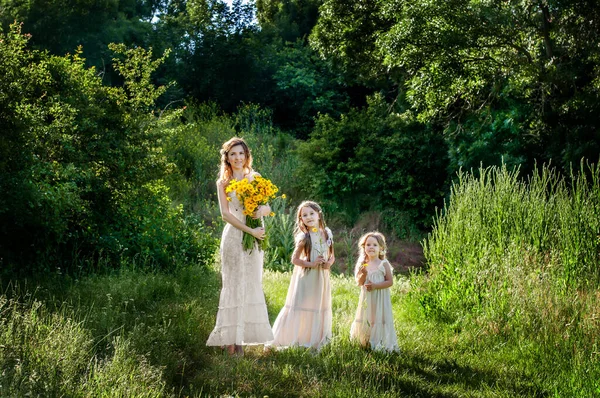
(368, 286)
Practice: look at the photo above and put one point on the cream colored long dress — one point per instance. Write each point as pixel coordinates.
(374, 320)
(305, 320)
(242, 317)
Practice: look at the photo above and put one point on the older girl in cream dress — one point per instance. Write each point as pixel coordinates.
(306, 319)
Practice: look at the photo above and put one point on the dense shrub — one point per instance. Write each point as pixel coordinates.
(81, 164)
(372, 159)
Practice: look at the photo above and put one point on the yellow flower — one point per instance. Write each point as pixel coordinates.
(365, 265)
(272, 214)
(314, 229)
(229, 198)
(283, 196)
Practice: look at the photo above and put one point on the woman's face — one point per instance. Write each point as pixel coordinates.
(236, 157)
(372, 247)
(310, 217)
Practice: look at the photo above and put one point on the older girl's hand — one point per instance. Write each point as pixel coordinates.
(320, 261)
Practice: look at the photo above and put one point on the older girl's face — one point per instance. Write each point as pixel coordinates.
(236, 157)
(310, 217)
(372, 247)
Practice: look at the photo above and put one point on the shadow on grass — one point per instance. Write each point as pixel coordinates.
(343, 369)
(168, 317)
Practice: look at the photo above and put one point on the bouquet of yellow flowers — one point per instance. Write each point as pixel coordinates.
(252, 194)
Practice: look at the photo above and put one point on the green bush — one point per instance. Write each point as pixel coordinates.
(82, 167)
(280, 237)
(372, 159)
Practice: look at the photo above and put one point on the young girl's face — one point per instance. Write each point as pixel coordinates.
(310, 217)
(372, 248)
(237, 157)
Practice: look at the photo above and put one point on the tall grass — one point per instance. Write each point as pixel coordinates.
(136, 333)
(280, 235)
(518, 260)
(45, 353)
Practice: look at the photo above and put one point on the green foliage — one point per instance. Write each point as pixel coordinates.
(62, 26)
(519, 259)
(306, 86)
(292, 19)
(47, 353)
(82, 165)
(280, 237)
(144, 333)
(372, 160)
(471, 66)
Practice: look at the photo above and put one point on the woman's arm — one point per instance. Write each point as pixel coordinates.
(230, 218)
(262, 211)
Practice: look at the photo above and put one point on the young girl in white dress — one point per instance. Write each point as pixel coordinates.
(242, 317)
(305, 320)
(374, 321)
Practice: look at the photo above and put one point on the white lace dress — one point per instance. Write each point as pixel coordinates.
(374, 320)
(242, 317)
(305, 320)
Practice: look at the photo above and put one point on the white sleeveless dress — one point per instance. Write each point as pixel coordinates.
(306, 319)
(242, 317)
(374, 320)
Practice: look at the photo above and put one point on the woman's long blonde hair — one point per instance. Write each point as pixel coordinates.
(301, 231)
(226, 171)
(362, 255)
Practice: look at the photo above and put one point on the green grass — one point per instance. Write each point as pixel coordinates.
(134, 333)
(509, 307)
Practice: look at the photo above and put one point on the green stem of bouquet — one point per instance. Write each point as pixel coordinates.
(249, 240)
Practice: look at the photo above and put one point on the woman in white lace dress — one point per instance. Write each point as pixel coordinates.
(305, 320)
(374, 321)
(242, 318)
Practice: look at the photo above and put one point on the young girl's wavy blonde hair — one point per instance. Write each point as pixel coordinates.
(301, 229)
(226, 171)
(362, 255)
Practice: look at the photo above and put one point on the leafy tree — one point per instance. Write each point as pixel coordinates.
(374, 159)
(291, 19)
(82, 164)
(306, 86)
(61, 26)
(464, 63)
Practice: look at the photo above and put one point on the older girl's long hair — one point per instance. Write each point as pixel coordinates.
(226, 171)
(301, 231)
(362, 255)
